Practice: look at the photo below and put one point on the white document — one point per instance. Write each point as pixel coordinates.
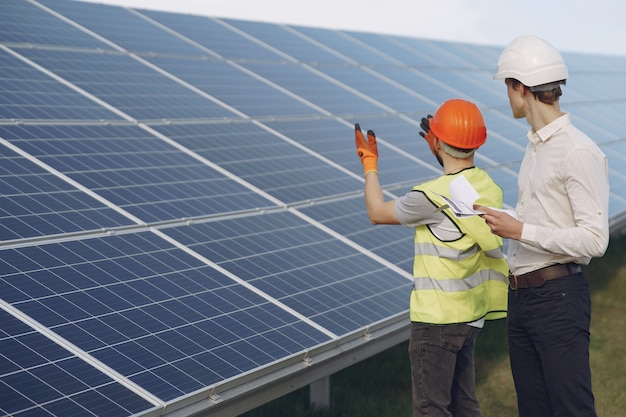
(463, 196)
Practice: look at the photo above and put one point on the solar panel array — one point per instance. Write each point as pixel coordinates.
(181, 201)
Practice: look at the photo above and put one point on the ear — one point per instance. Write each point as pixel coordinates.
(436, 143)
(524, 90)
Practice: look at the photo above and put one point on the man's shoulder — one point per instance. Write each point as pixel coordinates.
(578, 139)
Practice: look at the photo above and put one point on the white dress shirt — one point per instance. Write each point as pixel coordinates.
(563, 199)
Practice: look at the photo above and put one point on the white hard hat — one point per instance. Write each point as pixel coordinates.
(533, 62)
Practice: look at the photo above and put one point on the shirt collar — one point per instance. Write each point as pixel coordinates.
(548, 130)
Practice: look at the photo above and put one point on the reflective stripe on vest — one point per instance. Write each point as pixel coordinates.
(426, 249)
(457, 284)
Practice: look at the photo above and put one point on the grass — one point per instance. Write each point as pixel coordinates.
(380, 386)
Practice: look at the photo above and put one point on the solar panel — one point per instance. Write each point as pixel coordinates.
(28, 93)
(150, 311)
(117, 25)
(25, 22)
(276, 166)
(213, 35)
(41, 377)
(37, 203)
(134, 170)
(182, 227)
(307, 82)
(128, 85)
(303, 267)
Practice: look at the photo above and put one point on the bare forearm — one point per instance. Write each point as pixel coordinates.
(378, 211)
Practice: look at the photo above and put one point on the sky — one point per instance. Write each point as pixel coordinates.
(588, 26)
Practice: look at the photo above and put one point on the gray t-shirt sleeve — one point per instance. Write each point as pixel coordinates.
(415, 209)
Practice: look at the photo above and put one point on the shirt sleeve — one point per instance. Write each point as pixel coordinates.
(415, 209)
(586, 182)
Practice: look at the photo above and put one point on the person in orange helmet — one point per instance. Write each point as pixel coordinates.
(561, 223)
(460, 274)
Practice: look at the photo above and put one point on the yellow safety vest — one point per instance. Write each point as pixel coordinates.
(463, 280)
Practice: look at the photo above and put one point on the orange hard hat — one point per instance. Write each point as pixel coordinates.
(459, 123)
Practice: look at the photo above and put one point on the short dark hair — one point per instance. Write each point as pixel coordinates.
(547, 97)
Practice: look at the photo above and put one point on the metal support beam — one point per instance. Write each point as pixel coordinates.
(249, 391)
(319, 393)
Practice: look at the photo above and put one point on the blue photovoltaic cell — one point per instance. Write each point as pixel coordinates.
(135, 170)
(265, 160)
(329, 95)
(40, 378)
(34, 202)
(349, 218)
(150, 311)
(602, 122)
(450, 54)
(467, 56)
(391, 97)
(122, 27)
(27, 93)
(475, 85)
(474, 56)
(357, 51)
(608, 64)
(23, 22)
(431, 88)
(437, 50)
(303, 267)
(215, 36)
(286, 42)
(130, 86)
(232, 86)
(583, 84)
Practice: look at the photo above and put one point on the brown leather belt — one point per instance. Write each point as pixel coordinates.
(539, 277)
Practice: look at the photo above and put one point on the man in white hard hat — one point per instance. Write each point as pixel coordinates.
(562, 222)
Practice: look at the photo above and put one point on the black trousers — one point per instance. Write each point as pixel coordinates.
(548, 333)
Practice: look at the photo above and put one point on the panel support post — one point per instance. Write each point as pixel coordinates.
(319, 393)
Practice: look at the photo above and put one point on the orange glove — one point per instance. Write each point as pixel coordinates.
(366, 149)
